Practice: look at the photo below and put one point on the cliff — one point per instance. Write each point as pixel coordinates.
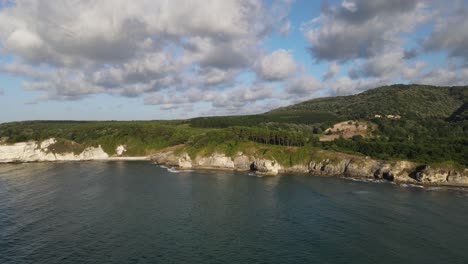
(328, 164)
(33, 151)
(322, 162)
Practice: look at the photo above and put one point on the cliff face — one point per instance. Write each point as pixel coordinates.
(34, 151)
(342, 165)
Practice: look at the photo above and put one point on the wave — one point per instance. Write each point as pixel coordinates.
(253, 174)
(365, 180)
(409, 185)
(174, 170)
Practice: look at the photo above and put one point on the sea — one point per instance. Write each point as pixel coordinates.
(139, 212)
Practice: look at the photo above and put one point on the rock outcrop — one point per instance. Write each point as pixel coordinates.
(342, 165)
(215, 161)
(266, 166)
(428, 175)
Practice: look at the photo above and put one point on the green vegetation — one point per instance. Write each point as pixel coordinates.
(140, 137)
(410, 101)
(66, 146)
(433, 128)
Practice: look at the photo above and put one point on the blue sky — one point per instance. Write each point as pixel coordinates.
(139, 60)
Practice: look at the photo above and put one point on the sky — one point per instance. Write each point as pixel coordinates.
(176, 59)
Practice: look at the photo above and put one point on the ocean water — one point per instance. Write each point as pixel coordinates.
(137, 212)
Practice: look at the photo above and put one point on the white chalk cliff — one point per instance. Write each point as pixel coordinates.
(33, 151)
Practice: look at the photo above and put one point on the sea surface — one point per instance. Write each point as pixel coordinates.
(138, 212)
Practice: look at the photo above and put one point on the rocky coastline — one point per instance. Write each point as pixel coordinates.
(335, 164)
(343, 165)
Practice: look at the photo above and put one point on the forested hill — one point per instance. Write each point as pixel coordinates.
(411, 101)
(432, 127)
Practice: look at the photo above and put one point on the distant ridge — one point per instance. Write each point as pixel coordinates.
(411, 101)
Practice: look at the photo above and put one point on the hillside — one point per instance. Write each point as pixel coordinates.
(410, 101)
(413, 102)
(433, 128)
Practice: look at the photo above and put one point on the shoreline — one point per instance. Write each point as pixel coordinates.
(339, 165)
(286, 173)
(139, 158)
(320, 162)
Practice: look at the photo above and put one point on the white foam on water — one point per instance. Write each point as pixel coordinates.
(365, 180)
(253, 174)
(174, 170)
(409, 185)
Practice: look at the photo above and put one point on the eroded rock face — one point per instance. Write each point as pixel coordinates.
(184, 161)
(328, 168)
(167, 158)
(428, 175)
(266, 166)
(364, 169)
(215, 160)
(242, 162)
(33, 151)
(458, 178)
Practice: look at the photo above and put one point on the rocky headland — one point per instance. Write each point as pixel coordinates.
(332, 164)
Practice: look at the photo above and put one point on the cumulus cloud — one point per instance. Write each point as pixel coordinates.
(371, 39)
(71, 49)
(445, 76)
(450, 30)
(378, 66)
(240, 96)
(361, 28)
(302, 87)
(239, 99)
(182, 53)
(278, 65)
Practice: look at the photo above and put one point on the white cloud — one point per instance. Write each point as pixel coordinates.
(72, 49)
(302, 86)
(450, 30)
(179, 53)
(240, 96)
(384, 64)
(362, 28)
(278, 65)
(445, 76)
